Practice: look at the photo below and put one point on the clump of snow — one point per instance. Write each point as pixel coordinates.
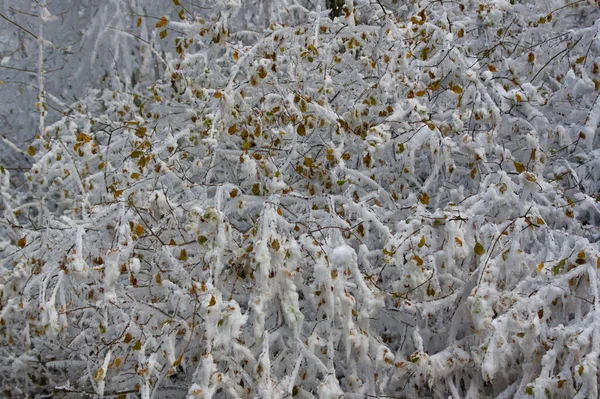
(343, 256)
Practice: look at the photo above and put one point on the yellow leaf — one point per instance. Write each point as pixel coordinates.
(330, 156)
(128, 338)
(580, 60)
(262, 73)
(530, 177)
(212, 302)
(461, 32)
(540, 267)
(31, 150)
(233, 193)
(424, 198)
(139, 230)
(141, 132)
(458, 241)
(479, 250)
(22, 242)
(569, 213)
(183, 255)
(422, 242)
(457, 89)
(163, 22)
(137, 346)
(430, 291)
(491, 68)
(163, 34)
(308, 161)
(519, 167)
(139, 21)
(99, 374)
(83, 138)
(275, 245)
(598, 263)
(176, 2)
(301, 130)
(178, 361)
(418, 260)
(531, 57)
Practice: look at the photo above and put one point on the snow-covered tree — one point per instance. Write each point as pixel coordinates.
(398, 202)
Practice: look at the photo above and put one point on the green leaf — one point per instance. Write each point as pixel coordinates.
(479, 250)
(529, 390)
(303, 106)
(558, 267)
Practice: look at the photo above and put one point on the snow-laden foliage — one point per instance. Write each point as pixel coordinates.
(401, 202)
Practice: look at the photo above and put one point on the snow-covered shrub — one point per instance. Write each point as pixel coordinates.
(399, 202)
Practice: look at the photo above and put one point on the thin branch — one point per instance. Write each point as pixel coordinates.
(18, 26)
